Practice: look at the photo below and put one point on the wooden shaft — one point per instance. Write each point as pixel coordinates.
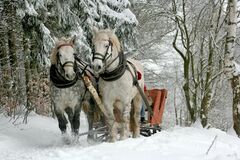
(95, 95)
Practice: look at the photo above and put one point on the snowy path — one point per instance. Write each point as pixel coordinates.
(40, 139)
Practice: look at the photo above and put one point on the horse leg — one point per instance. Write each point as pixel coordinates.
(62, 121)
(76, 121)
(112, 125)
(135, 115)
(124, 132)
(70, 114)
(88, 108)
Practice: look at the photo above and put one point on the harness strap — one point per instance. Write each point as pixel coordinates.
(84, 67)
(116, 73)
(98, 56)
(135, 83)
(68, 63)
(65, 44)
(102, 57)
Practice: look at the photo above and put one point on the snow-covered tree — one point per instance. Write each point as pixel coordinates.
(199, 40)
(28, 28)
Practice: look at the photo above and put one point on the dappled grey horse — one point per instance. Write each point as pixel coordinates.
(68, 92)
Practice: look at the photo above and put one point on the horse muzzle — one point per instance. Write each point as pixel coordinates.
(97, 67)
(69, 71)
(70, 76)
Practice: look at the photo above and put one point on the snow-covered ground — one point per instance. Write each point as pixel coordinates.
(40, 139)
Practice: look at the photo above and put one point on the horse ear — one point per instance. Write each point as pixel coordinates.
(73, 39)
(95, 30)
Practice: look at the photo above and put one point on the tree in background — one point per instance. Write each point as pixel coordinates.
(27, 30)
(196, 59)
(198, 40)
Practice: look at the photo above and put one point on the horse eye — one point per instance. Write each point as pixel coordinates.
(106, 45)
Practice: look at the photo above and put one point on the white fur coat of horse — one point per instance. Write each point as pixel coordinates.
(121, 93)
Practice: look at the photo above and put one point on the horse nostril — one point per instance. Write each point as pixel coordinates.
(67, 75)
(99, 67)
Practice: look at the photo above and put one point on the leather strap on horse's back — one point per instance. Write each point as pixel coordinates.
(135, 82)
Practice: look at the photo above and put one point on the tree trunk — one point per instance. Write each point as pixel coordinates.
(186, 88)
(230, 63)
(236, 104)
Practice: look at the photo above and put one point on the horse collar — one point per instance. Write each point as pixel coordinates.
(117, 72)
(58, 80)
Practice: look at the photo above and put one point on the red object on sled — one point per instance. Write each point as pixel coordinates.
(139, 75)
(159, 98)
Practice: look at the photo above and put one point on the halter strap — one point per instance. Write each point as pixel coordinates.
(104, 57)
(68, 63)
(65, 44)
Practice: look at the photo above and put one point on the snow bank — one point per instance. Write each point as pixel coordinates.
(40, 139)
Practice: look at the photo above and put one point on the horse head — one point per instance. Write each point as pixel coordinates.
(63, 57)
(106, 49)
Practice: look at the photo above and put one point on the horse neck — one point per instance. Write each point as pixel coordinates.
(114, 64)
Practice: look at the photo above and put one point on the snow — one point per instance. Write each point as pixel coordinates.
(40, 139)
(119, 3)
(125, 16)
(237, 69)
(149, 64)
(139, 1)
(48, 43)
(30, 9)
(20, 13)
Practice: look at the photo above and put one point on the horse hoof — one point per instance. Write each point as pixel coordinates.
(135, 135)
(112, 140)
(66, 139)
(91, 141)
(75, 141)
(123, 138)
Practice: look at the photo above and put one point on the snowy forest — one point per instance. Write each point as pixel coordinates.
(188, 47)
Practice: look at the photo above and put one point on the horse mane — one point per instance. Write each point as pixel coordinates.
(112, 37)
(59, 42)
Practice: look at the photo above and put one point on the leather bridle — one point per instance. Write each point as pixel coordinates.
(106, 56)
(118, 71)
(57, 77)
(67, 63)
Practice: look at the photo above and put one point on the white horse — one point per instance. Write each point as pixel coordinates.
(117, 83)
